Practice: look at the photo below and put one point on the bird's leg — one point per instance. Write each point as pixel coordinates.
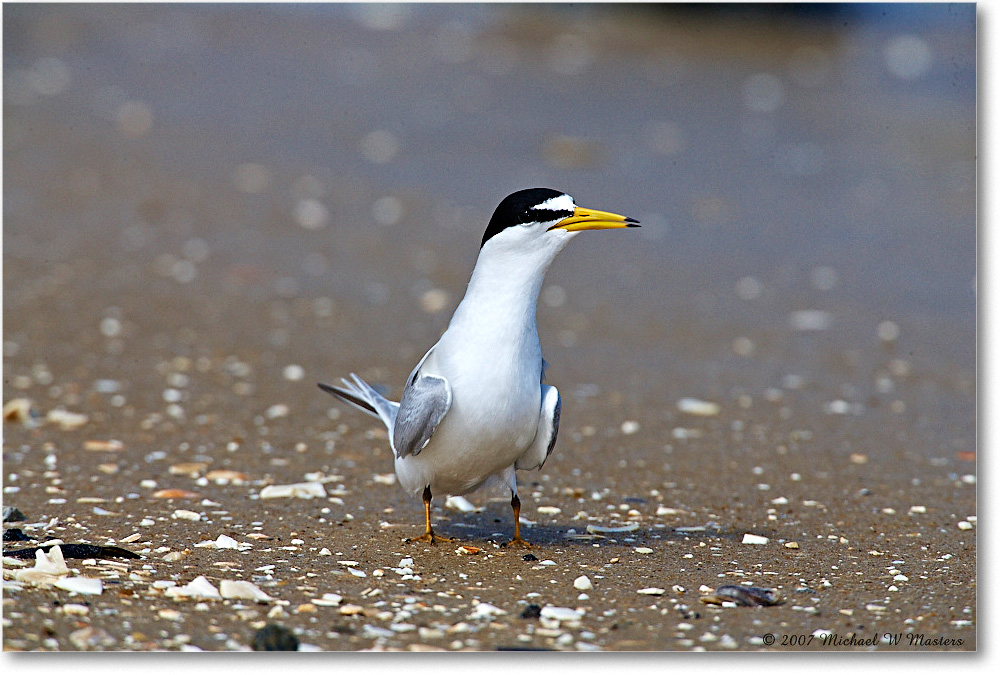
(515, 504)
(428, 534)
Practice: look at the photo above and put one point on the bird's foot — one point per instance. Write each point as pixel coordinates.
(430, 537)
(517, 542)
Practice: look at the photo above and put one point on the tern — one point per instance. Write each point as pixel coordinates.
(475, 408)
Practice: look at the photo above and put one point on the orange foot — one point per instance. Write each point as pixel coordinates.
(517, 542)
(430, 538)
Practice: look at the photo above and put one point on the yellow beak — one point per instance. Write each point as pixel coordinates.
(590, 219)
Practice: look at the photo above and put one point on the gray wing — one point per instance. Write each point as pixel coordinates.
(426, 400)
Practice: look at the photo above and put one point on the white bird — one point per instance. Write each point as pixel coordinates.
(475, 408)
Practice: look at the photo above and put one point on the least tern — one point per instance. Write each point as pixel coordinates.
(475, 407)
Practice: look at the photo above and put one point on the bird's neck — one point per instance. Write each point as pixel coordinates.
(502, 296)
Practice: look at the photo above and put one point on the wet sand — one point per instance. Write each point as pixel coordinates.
(208, 211)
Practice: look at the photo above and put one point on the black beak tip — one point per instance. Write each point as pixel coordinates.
(631, 222)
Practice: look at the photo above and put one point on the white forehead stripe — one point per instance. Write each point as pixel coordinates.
(560, 203)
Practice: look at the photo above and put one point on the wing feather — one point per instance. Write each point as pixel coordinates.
(426, 400)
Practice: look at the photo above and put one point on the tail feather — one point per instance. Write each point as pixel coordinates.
(361, 395)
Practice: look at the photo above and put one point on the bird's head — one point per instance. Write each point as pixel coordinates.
(542, 218)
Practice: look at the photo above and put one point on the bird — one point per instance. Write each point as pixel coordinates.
(475, 408)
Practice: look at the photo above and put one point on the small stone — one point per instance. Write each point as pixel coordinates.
(275, 638)
(642, 549)
(582, 583)
(103, 446)
(698, 407)
(549, 510)
(630, 427)
(754, 539)
(75, 609)
(561, 614)
(791, 544)
(485, 610)
(306, 490)
(185, 514)
(964, 525)
(651, 591)
(352, 610)
(67, 421)
(328, 600)
(532, 611)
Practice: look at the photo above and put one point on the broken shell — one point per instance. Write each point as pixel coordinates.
(459, 503)
(242, 590)
(598, 529)
(698, 407)
(467, 550)
(742, 596)
(299, 490)
(191, 469)
(175, 493)
(103, 446)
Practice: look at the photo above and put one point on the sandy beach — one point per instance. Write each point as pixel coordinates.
(772, 383)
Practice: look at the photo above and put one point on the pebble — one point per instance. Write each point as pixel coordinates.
(467, 550)
(754, 539)
(275, 638)
(307, 490)
(630, 427)
(582, 583)
(328, 600)
(549, 510)
(184, 514)
(75, 609)
(293, 372)
(103, 446)
(561, 614)
(352, 610)
(964, 525)
(698, 407)
(642, 549)
(485, 610)
(651, 591)
(67, 421)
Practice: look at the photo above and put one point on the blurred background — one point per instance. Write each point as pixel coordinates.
(285, 193)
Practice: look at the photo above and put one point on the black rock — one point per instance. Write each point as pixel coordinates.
(15, 534)
(531, 612)
(275, 638)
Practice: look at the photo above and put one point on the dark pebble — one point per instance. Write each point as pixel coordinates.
(12, 515)
(15, 534)
(529, 557)
(531, 612)
(275, 638)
